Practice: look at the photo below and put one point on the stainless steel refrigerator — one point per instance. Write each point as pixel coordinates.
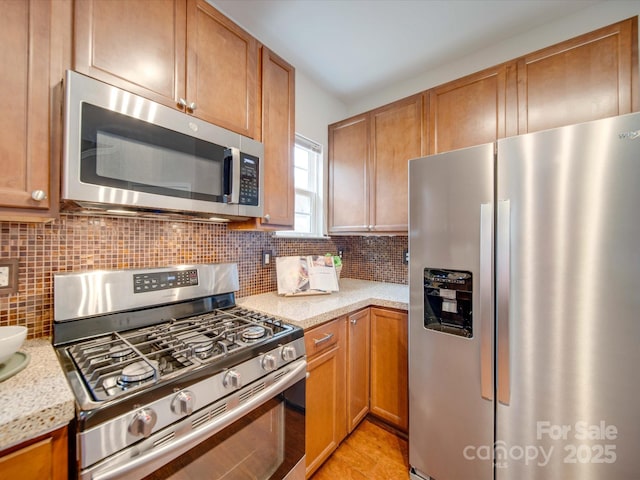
(524, 321)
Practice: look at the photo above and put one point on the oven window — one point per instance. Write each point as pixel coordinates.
(124, 152)
(263, 445)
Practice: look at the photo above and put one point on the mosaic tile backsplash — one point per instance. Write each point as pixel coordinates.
(75, 243)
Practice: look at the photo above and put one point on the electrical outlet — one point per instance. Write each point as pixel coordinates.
(405, 256)
(9, 276)
(267, 256)
(340, 252)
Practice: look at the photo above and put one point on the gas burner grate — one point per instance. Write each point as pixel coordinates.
(119, 362)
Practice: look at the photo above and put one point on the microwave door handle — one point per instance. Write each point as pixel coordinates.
(235, 176)
(231, 176)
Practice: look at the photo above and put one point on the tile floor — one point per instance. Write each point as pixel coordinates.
(370, 453)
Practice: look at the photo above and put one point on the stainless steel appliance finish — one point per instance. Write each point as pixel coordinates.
(99, 292)
(125, 154)
(555, 307)
(184, 379)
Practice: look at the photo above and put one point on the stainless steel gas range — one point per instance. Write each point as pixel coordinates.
(173, 380)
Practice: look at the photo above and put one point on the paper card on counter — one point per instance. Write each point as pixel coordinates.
(310, 275)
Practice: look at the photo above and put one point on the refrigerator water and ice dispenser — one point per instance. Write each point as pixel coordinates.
(447, 301)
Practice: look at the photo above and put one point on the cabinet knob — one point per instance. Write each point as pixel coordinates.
(192, 106)
(38, 195)
(370, 227)
(267, 218)
(354, 321)
(182, 103)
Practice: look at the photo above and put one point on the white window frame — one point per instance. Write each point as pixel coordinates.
(317, 175)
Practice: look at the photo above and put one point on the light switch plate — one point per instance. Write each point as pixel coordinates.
(8, 276)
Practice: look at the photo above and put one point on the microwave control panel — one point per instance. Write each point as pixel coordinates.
(150, 282)
(249, 180)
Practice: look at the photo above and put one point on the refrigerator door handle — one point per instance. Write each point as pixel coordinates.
(503, 271)
(486, 317)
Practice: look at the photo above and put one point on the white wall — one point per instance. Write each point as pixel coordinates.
(315, 110)
(599, 15)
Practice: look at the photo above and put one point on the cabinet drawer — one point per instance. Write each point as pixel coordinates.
(322, 338)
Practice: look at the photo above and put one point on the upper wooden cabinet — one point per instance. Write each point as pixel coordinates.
(348, 175)
(586, 78)
(32, 37)
(182, 53)
(278, 137)
(137, 45)
(469, 111)
(396, 138)
(589, 77)
(222, 69)
(368, 157)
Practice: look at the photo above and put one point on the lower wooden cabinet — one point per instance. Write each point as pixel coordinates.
(390, 367)
(325, 403)
(43, 458)
(357, 364)
(358, 361)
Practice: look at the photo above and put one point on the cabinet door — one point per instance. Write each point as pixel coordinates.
(325, 388)
(396, 137)
(389, 367)
(222, 69)
(348, 175)
(137, 45)
(469, 111)
(44, 458)
(278, 127)
(358, 359)
(25, 83)
(589, 77)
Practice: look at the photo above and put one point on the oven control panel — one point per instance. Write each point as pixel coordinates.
(150, 282)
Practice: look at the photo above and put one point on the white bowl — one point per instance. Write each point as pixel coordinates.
(11, 339)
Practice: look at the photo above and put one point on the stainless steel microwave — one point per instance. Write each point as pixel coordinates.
(125, 154)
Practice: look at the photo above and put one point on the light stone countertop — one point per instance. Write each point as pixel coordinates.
(311, 310)
(37, 399)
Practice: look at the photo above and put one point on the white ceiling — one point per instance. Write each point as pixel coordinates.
(353, 48)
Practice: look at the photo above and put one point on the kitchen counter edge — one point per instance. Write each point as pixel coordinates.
(312, 310)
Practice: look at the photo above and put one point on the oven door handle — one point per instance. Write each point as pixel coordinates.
(141, 465)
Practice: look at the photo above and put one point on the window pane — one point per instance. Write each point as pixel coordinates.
(303, 204)
(303, 223)
(301, 178)
(301, 158)
(309, 181)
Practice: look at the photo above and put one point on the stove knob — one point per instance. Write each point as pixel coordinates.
(268, 362)
(182, 403)
(143, 422)
(232, 379)
(288, 353)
